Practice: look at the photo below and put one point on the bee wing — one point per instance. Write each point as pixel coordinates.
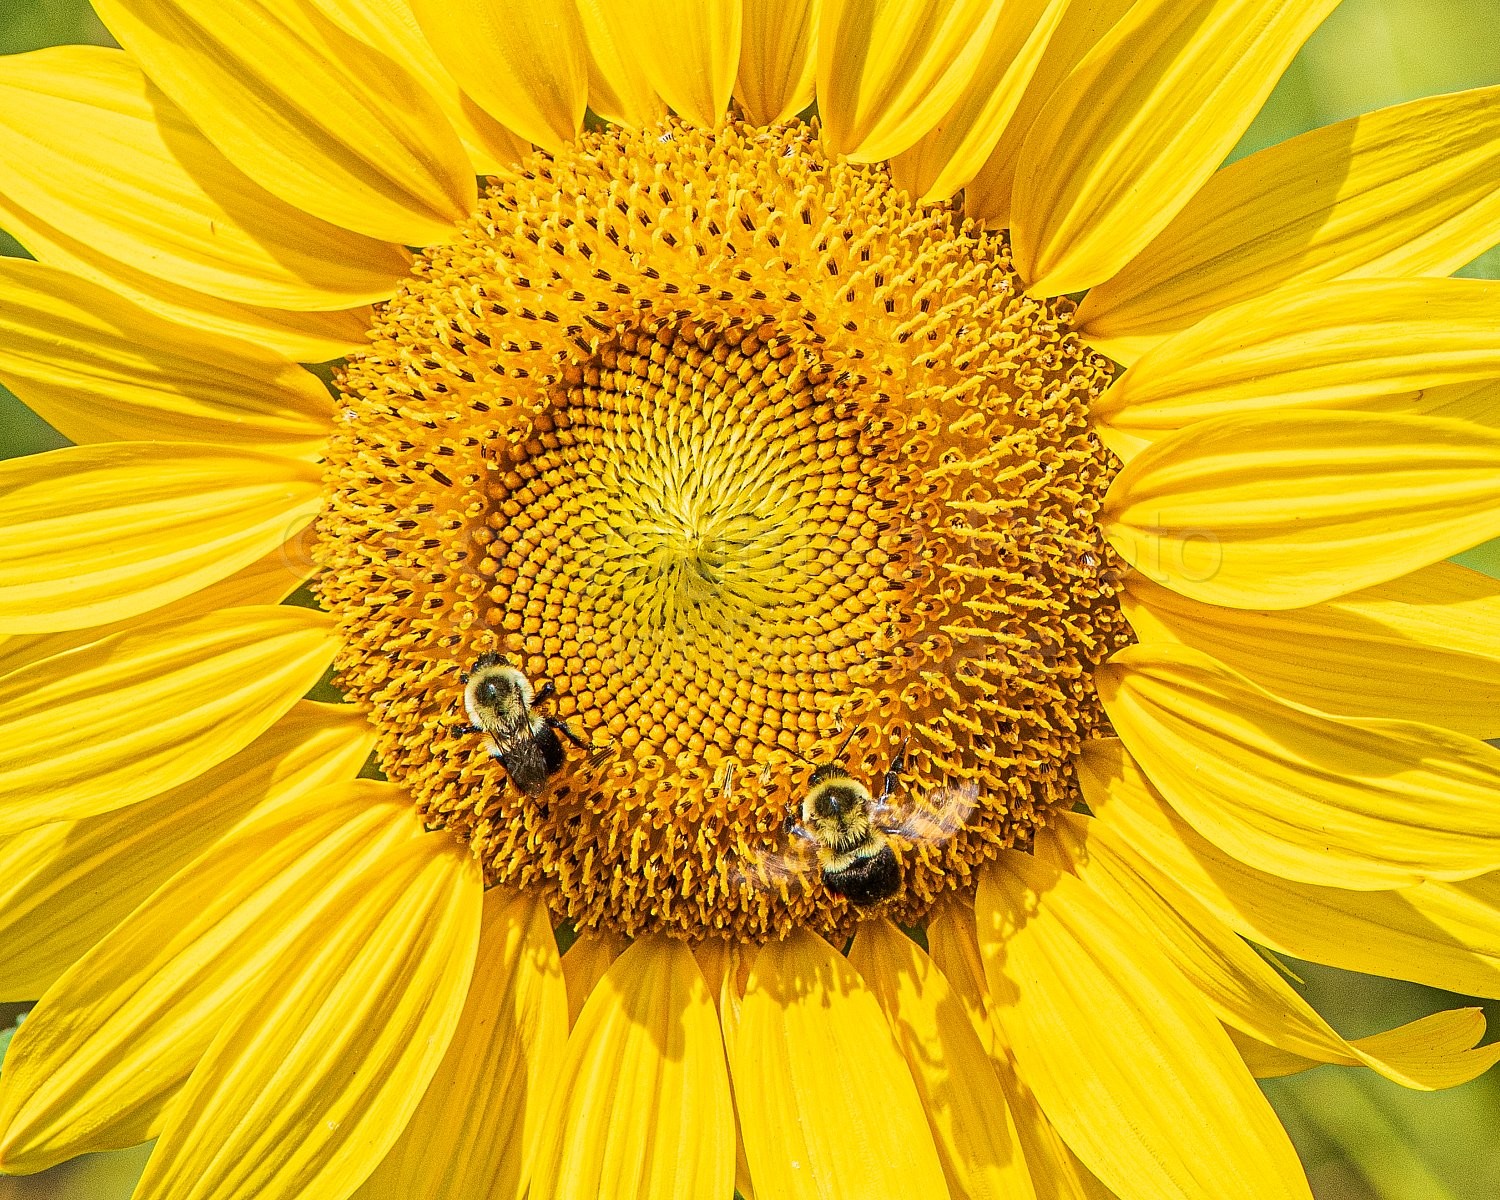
(935, 819)
(785, 872)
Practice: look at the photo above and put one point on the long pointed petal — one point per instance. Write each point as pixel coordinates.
(641, 1109)
(1446, 935)
(524, 64)
(1338, 345)
(67, 884)
(473, 1133)
(1248, 994)
(120, 1032)
(889, 69)
(1408, 190)
(966, 1109)
(952, 153)
(1340, 801)
(183, 698)
(689, 50)
(587, 961)
(99, 533)
(98, 368)
(1127, 1061)
(87, 143)
(1423, 648)
(309, 111)
(811, 1132)
(1285, 509)
(1138, 128)
(778, 59)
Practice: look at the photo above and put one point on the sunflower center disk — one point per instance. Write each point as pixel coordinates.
(739, 450)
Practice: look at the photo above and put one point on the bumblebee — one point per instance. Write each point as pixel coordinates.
(849, 829)
(501, 702)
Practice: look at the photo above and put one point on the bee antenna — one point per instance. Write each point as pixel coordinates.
(838, 757)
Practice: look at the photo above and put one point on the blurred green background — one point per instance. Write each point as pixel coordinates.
(1360, 1137)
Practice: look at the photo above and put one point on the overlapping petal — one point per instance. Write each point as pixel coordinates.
(619, 90)
(587, 961)
(1424, 648)
(303, 1094)
(100, 533)
(98, 368)
(391, 27)
(1338, 345)
(1348, 802)
(1283, 509)
(966, 1110)
(811, 1132)
(117, 1036)
(641, 1108)
(1124, 1056)
(67, 884)
(688, 50)
(1142, 123)
(111, 723)
(312, 113)
(87, 144)
(477, 1125)
(1249, 995)
(310, 337)
(953, 151)
(524, 64)
(1408, 190)
(778, 59)
(889, 69)
(1446, 935)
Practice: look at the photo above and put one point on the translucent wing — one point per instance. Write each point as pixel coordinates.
(933, 818)
(785, 872)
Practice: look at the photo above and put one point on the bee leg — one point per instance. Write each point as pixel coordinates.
(893, 772)
(545, 692)
(464, 729)
(798, 831)
(559, 724)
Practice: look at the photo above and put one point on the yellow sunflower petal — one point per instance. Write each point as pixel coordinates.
(1446, 935)
(778, 59)
(966, 1110)
(88, 145)
(474, 1130)
(1284, 509)
(1249, 995)
(1124, 1056)
(307, 110)
(390, 26)
(641, 1104)
(1334, 345)
(100, 533)
(1145, 119)
(987, 195)
(268, 580)
(1340, 801)
(1424, 648)
(182, 697)
(726, 968)
(587, 961)
(811, 1132)
(688, 50)
(889, 69)
(98, 368)
(302, 1094)
(1430, 1053)
(1056, 1173)
(118, 1034)
(310, 337)
(67, 884)
(1409, 190)
(524, 63)
(954, 150)
(618, 88)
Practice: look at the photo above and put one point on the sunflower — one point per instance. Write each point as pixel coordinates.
(822, 710)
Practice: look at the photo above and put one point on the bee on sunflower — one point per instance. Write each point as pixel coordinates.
(905, 689)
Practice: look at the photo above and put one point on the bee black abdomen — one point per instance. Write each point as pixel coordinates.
(551, 747)
(867, 881)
